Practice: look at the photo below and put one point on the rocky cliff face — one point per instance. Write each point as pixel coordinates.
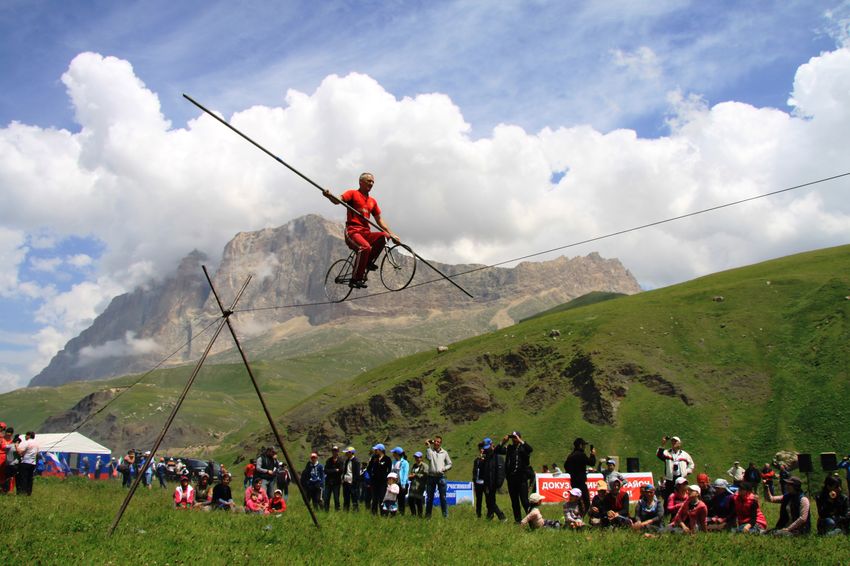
(288, 265)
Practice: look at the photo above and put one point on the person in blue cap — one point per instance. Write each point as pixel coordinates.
(379, 468)
(493, 473)
(418, 479)
(401, 467)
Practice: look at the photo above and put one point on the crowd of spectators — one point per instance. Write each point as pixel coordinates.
(18, 457)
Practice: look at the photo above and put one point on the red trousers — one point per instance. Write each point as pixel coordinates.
(367, 245)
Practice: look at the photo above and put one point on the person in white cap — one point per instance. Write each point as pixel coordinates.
(677, 463)
(692, 515)
(736, 472)
(573, 511)
(389, 507)
(534, 519)
(350, 480)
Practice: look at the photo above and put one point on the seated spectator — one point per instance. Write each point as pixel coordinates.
(203, 492)
(535, 519)
(748, 516)
(222, 497)
(833, 510)
(794, 516)
(678, 497)
(257, 488)
(721, 509)
(598, 512)
(257, 504)
(389, 506)
(573, 511)
(277, 504)
(184, 494)
(649, 511)
(706, 489)
(617, 504)
(692, 515)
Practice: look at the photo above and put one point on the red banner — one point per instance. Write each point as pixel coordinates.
(554, 487)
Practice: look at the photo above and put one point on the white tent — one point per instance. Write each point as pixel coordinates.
(69, 443)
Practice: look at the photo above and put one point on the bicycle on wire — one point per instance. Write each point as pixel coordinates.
(397, 268)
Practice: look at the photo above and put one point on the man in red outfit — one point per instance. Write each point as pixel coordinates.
(358, 236)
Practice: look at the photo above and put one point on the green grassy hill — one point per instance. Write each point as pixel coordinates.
(740, 364)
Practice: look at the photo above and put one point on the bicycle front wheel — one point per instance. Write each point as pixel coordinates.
(337, 279)
(398, 267)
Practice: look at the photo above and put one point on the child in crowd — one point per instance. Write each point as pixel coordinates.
(598, 510)
(572, 510)
(535, 519)
(692, 515)
(254, 504)
(389, 507)
(277, 504)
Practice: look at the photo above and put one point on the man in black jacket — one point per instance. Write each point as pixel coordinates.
(517, 463)
(266, 464)
(379, 468)
(333, 479)
(350, 479)
(576, 465)
(478, 479)
(493, 473)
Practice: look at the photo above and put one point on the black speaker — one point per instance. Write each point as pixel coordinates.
(804, 463)
(828, 461)
(632, 465)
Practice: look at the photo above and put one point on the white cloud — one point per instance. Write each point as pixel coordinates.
(152, 193)
(10, 381)
(127, 346)
(80, 260)
(642, 62)
(46, 264)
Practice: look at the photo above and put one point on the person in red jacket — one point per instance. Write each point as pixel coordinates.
(358, 235)
(747, 512)
(184, 494)
(692, 515)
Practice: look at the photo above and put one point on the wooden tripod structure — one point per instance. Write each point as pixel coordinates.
(225, 320)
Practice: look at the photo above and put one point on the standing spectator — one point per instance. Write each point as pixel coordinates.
(350, 480)
(845, 464)
(748, 516)
(439, 462)
(5, 442)
(12, 459)
(752, 475)
(84, 467)
(418, 480)
(366, 482)
(401, 467)
(576, 465)
(784, 474)
(611, 473)
(692, 515)
(794, 516)
(147, 476)
(478, 479)
(333, 479)
(379, 469)
(833, 509)
(313, 480)
(184, 494)
(28, 452)
(649, 511)
(677, 463)
(249, 472)
(767, 477)
(517, 463)
(160, 472)
(98, 464)
(283, 479)
(493, 473)
(265, 465)
(127, 468)
(736, 472)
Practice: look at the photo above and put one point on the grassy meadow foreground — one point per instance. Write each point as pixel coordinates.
(66, 521)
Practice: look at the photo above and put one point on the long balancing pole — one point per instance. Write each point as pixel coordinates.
(309, 180)
(226, 314)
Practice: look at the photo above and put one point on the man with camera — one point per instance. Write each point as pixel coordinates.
(677, 462)
(517, 465)
(576, 465)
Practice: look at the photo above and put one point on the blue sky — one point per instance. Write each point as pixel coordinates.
(653, 92)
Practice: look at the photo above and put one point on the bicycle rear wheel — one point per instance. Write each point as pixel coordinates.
(398, 267)
(337, 279)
